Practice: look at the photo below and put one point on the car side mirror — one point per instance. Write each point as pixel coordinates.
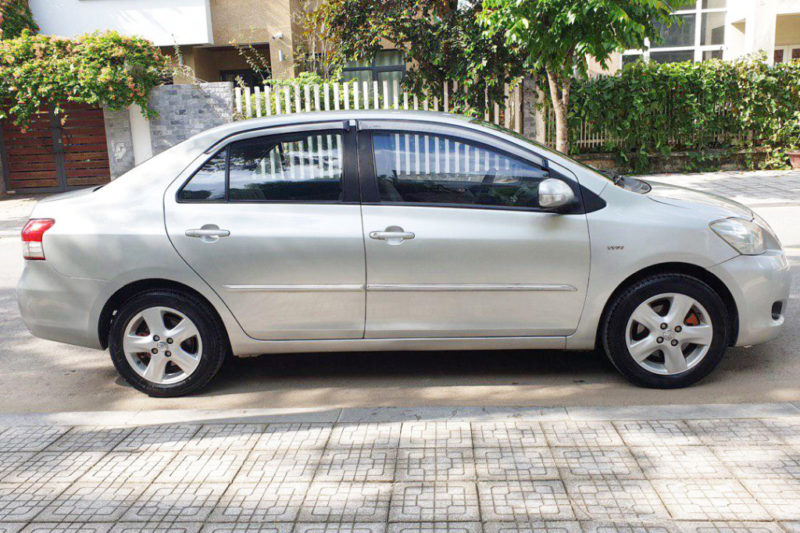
(554, 193)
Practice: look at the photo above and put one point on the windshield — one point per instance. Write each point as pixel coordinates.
(610, 177)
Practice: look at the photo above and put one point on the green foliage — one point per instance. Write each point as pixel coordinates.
(558, 35)
(100, 69)
(657, 108)
(442, 41)
(555, 37)
(15, 16)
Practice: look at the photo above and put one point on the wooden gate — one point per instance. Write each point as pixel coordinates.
(49, 157)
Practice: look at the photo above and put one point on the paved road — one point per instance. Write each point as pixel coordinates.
(43, 376)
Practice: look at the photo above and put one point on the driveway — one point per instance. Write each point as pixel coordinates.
(41, 376)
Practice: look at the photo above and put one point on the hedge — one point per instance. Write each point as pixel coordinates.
(656, 108)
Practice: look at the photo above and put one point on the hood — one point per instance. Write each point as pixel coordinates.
(717, 206)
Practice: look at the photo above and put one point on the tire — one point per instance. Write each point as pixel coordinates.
(184, 364)
(687, 338)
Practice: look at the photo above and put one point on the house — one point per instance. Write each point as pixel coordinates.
(724, 29)
(208, 36)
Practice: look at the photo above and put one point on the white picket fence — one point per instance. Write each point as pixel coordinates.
(252, 102)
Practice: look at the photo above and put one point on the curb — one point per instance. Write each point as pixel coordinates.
(399, 414)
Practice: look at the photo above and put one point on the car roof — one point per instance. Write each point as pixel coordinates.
(327, 116)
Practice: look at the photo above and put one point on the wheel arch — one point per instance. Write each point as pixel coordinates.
(115, 301)
(677, 268)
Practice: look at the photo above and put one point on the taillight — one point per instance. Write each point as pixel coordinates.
(32, 235)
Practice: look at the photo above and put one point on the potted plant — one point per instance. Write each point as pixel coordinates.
(794, 158)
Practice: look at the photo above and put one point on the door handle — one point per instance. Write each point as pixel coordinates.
(392, 235)
(208, 233)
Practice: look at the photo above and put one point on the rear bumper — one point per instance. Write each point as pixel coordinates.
(757, 283)
(57, 307)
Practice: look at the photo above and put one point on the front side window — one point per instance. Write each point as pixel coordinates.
(288, 168)
(436, 169)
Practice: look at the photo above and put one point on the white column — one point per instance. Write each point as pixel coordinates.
(140, 134)
(760, 28)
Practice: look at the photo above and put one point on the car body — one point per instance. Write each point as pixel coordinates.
(381, 252)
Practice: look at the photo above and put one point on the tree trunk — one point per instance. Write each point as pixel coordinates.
(559, 94)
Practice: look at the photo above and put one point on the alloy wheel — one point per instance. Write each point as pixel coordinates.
(669, 334)
(162, 345)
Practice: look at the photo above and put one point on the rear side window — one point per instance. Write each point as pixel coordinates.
(291, 168)
(436, 169)
(306, 168)
(208, 183)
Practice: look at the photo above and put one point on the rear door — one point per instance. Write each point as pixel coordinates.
(456, 243)
(272, 222)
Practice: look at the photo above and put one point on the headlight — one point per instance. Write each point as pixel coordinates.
(748, 238)
(772, 242)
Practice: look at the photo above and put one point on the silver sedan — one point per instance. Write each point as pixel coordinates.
(393, 231)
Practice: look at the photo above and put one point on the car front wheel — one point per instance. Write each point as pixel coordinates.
(666, 331)
(166, 343)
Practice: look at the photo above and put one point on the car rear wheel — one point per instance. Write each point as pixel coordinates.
(166, 343)
(666, 331)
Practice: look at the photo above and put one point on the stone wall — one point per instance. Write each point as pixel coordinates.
(186, 110)
(183, 111)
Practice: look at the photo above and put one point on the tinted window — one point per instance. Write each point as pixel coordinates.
(297, 168)
(419, 168)
(208, 183)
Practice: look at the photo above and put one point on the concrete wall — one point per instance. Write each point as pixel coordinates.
(120, 142)
(270, 22)
(163, 22)
(787, 30)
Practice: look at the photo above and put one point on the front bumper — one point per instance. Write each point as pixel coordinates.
(57, 307)
(757, 283)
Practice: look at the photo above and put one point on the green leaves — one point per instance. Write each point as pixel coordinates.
(556, 36)
(98, 69)
(657, 108)
(15, 16)
(442, 42)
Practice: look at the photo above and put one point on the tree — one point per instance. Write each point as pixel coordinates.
(555, 37)
(442, 41)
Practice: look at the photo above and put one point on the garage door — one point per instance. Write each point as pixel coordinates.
(49, 156)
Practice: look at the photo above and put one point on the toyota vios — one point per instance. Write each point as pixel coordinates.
(393, 231)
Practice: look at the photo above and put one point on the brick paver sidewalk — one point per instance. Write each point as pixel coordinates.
(417, 473)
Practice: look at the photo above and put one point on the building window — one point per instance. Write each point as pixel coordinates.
(698, 35)
(787, 53)
(388, 65)
(248, 77)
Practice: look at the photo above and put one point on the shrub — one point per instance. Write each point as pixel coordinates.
(99, 69)
(656, 108)
(15, 16)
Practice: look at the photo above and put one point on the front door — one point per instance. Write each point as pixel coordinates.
(271, 223)
(456, 243)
